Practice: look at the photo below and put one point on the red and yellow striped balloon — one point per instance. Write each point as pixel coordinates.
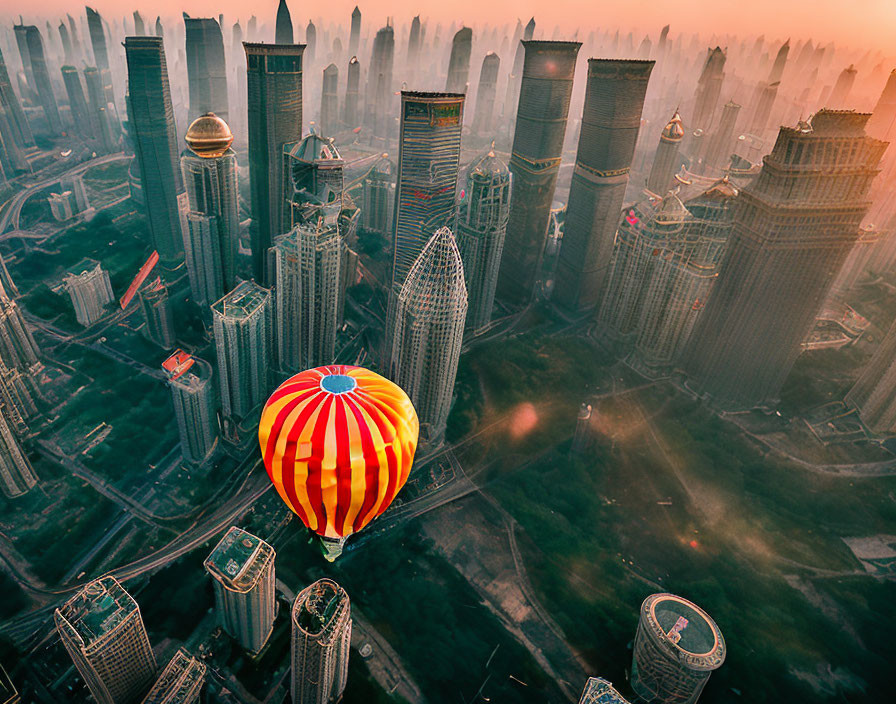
(338, 443)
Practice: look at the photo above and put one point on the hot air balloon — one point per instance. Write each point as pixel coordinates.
(338, 443)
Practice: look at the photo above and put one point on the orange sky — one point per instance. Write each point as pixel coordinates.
(859, 23)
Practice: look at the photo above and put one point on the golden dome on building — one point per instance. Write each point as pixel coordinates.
(209, 136)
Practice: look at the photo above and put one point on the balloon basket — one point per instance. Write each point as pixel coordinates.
(331, 547)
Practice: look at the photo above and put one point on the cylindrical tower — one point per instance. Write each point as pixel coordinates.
(665, 163)
(546, 89)
(485, 96)
(611, 119)
(677, 647)
(350, 115)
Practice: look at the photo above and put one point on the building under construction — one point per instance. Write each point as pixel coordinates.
(677, 647)
(321, 637)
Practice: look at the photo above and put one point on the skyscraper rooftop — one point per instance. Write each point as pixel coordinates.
(243, 301)
(239, 560)
(97, 610)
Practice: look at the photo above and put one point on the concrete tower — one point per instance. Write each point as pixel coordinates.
(195, 405)
(209, 170)
(275, 119)
(355, 36)
(350, 116)
(103, 632)
(786, 246)
(676, 649)
(151, 118)
(428, 331)
(321, 637)
(329, 101)
(459, 62)
(40, 75)
(77, 101)
(709, 86)
(483, 117)
(481, 229)
(379, 83)
(545, 92)
(611, 119)
(206, 67)
(242, 569)
(283, 26)
(666, 161)
(721, 141)
(839, 97)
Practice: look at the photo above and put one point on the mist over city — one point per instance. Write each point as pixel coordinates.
(508, 352)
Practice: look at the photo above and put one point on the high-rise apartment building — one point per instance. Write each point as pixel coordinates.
(180, 681)
(209, 170)
(611, 119)
(483, 116)
(428, 158)
(377, 190)
(195, 405)
(321, 639)
(206, 67)
(243, 335)
(103, 632)
(17, 475)
(242, 569)
(88, 286)
(158, 313)
(481, 229)
(677, 647)
(151, 125)
(427, 332)
(666, 160)
(545, 92)
(275, 119)
(459, 61)
(793, 229)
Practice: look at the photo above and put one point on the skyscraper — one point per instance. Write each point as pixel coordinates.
(676, 649)
(428, 329)
(485, 97)
(18, 350)
(883, 118)
(459, 62)
(17, 475)
(195, 405)
(355, 35)
(792, 232)
(664, 265)
(97, 39)
(321, 637)
(481, 228)
(157, 314)
(206, 67)
(428, 157)
(720, 144)
(839, 97)
(666, 161)
(20, 129)
(37, 63)
(103, 632)
(329, 100)
(243, 335)
(211, 244)
(377, 193)
(611, 119)
(180, 681)
(77, 101)
(151, 120)
(88, 286)
(379, 83)
(275, 119)
(139, 27)
(545, 92)
(242, 569)
(310, 42)
(415, 39)
(350, 115)
(103, 116)
(308, 258)
(283, 26)
(709, 86)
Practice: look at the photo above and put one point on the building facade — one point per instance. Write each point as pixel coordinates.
(677, 647)
(195, 405)
(666, 161)
(88, 286)
(430, 313)
(321, 638)
(274, 84)
(481, 229)
(611, 119)
(793, 229)
(158, 314)
(17, 475)
(545, 92)
(242, 569)
(180, 681)
(103, 632)
(484, 115)
(206, 67)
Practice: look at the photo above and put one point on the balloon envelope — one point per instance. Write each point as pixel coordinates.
(338, 443)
